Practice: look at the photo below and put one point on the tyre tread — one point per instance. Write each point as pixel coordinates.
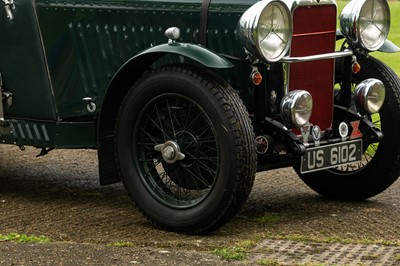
(244, 151)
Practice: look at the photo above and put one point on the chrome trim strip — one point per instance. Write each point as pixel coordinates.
(289, 59)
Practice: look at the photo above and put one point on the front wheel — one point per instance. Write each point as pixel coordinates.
(185, 149)
(380, 166)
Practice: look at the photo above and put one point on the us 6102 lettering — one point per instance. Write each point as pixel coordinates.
(343, 154)
(327, 156)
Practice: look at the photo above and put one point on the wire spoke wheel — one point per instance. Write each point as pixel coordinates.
(177, 120)
(185, 149)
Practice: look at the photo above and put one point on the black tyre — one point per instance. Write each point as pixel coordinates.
(185, 149)
(380, 165)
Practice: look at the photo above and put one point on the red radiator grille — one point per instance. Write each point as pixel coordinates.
(314, 33)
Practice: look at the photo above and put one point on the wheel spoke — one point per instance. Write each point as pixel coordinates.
(160, 127)
(154, 140)
(192, 124)
(195, 176)
(177, 111)
(182, 182)
(171, 119)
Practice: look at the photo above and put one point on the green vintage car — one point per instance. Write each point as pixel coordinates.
(185, 100)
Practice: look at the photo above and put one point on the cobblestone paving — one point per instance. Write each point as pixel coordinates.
(58, 196)
(287, 252)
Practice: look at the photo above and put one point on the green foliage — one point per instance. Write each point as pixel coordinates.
(237, 252)
(246, 244)
(269, 218)
(22, 238)
(231, 253)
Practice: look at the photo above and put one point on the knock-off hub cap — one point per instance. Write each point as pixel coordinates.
(170, 151)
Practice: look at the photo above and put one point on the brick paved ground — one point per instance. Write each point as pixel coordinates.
(286, 223)
(287, 252)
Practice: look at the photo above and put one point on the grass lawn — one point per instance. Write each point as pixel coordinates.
(392, 59)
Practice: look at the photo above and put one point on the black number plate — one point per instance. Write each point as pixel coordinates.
(324, 157)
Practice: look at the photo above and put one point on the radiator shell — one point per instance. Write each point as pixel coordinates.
(314, 33)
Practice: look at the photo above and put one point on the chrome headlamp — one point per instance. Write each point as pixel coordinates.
(369, 96)
(265, 30)
(366, 23)
(296, 108)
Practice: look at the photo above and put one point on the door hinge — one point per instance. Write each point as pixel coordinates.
(10, 8)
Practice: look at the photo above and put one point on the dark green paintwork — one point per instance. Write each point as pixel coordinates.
(23, 66)
(87, 41)
(55, 53)
(191, 51)
(50, 134)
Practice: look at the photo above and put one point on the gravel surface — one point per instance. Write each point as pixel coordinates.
(58, 196)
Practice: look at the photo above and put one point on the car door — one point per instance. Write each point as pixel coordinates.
(23, 64)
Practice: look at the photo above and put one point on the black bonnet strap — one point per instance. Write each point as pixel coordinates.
(203, 22)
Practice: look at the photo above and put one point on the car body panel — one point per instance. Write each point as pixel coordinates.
(69, 50)
(23, 65)
(86, 42)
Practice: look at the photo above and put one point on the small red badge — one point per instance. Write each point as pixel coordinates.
(356, 132)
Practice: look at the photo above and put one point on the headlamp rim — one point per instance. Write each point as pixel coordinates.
(248, 28)
(350, 23)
